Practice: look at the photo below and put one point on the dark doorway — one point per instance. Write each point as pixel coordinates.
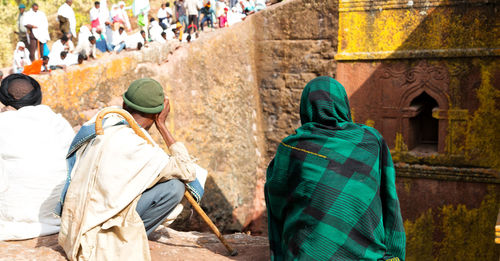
(424, 127)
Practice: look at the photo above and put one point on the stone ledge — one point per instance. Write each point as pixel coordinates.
(479, 175)
(379, 5)
(406, 54)
(167, 245)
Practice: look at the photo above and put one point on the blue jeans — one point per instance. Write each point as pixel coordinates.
(208, 19)
(120, 46)
(184, 21)
(102, 46)
(157, 202)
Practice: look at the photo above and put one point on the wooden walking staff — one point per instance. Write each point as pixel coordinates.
(99, 131)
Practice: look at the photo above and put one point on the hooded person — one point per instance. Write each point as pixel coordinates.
(120, 188)
(330, 190)
(122, 13)
(21, 58)
(33, 143)
(83, 35)
(114, 14)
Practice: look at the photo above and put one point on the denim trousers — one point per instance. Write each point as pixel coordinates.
(184, 21)
(118, 48)
(157, 202)
(207, 19)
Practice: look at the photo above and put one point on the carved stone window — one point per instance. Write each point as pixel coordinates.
(424, 128)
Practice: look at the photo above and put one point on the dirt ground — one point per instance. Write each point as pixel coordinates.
(167, 244)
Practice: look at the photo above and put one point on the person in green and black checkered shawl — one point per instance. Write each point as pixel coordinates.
(330, 189)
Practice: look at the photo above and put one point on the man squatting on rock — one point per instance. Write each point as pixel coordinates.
(122, 188)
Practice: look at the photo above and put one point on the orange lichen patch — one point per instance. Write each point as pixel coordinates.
(85, 87)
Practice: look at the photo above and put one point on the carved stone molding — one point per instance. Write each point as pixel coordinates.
(379, 5)
(421, 74)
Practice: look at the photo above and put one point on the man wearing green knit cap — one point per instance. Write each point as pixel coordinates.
(116, 180)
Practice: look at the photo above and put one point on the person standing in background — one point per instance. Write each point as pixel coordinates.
(37, 27)
(103, 14)
(180, 11)
(122, 13)
(192, 11)
(21, 30)
(170, 13)
(94, 15)
(66, 18)
(141, 9)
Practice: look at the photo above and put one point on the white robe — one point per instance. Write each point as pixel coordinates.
(66, 11)
(21, 58)
(141, 6)
(103, 14)
(234, 17)
(83, 35)
(33, 145)
(55, 53)
(133, 40)
(123, 15)
(119, 38)
(94, 14)
(39, 20)
(155, 32)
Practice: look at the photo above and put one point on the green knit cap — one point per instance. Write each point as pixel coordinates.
(145, 95)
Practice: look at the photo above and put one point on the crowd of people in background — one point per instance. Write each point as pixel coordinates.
(109, 30)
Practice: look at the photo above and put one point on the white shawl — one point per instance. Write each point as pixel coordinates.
(21, 58)
(39, 20)
(66, 11)
(33, 145)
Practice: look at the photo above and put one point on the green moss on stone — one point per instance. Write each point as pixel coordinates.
(482, 147)
(469, 233)
(466, 234)
(419, 237)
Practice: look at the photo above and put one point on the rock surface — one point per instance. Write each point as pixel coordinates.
(167, 245)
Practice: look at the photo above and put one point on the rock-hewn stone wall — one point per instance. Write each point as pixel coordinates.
(216, 85)
(215, 110)
(295, 44)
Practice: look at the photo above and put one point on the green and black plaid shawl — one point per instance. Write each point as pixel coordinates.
(330, 190)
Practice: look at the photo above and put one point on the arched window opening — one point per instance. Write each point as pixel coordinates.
(423, 127)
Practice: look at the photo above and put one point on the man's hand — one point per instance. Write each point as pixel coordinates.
(8, 108)
(162, 116)
(160, 124)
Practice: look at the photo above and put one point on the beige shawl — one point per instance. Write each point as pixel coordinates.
(99, 221)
